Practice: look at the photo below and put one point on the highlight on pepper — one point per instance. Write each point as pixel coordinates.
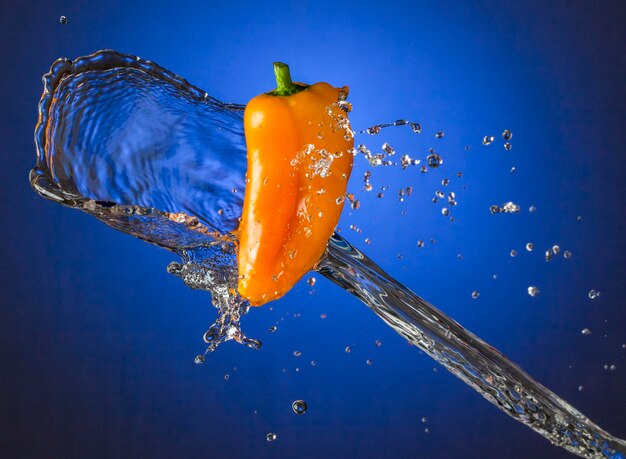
(300, 157)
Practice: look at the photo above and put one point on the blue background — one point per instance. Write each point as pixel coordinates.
(97, 341)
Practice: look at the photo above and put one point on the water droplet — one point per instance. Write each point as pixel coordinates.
(175, 268)
(439, 134)
(368, 362)
(580, 388)
(313, 363)
(311, 281)
(445, 182)
(513, 169)
(63, 20)
(488, 140)
(445, 212)
(297, 353)
(423, 169)
(323, 315)
(459, 174)
(299, 407)
(613, 367)
(475, 294)
(424, 419)
(567, 254)
(495, 209)
(226, 377)
(367, 241)
(593, 294)
(556, 249)
(420, 244)
(530, 246)
(426, 430)
(579, 218)
(548, 255)
(378, 343)
(271, 436)
(532, 209)
(533, 291)
(507, 146)
(586, 331)
(272, 329)
(199, 359)
(513, 253)
(434, 160)
(348, 349)
(510, 207)
(507, 135)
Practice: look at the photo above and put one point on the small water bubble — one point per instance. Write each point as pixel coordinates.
(475, 294)
(445, 212)
(445, 182)
(297, 353)
(439, 135)
(439, 194)
(495, 209)
(373, 130)
(368, 241)
(556, 249)
(313, 363)
(507, 135)
(323, 315)
(510, 207)
(420, 244)
(434, 160)
(459, 174)
(388, 149)
(368, 362)
(593, 294)
(507, 146)
(532, 209)
(426, 430)
(199, 359)
(533, 291)
(272, 329)
(467, 148)
(63, 20)
(271, 436)
(606, 367)
(513, 253)
(530, 246)
(580, 388)
(459, 256)
(226, 377)
(567, 254)
(299, 407)
(424, 419)
(175, 268)
(355, 204)
(348, 349)
(488, 140)
(586, 331)
(311, 281)
(513, 169)
(613, 367)
(378, 343)
(234, 190)
(579, 218)
(548, 255)
(423, 169)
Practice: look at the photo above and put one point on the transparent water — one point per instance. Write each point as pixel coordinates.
(150, 155)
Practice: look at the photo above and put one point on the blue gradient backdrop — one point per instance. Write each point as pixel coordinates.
(97, 341)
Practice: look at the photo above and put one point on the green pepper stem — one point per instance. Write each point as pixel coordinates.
(284, 85)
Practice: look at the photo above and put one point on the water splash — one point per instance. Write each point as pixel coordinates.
(150, 155)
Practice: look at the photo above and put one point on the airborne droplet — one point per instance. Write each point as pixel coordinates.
(299, 407)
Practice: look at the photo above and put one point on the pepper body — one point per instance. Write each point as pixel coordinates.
(299, 162)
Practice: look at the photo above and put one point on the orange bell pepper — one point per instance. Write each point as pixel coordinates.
(299, 161)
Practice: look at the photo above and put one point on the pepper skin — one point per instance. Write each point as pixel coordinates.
(299, 161)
